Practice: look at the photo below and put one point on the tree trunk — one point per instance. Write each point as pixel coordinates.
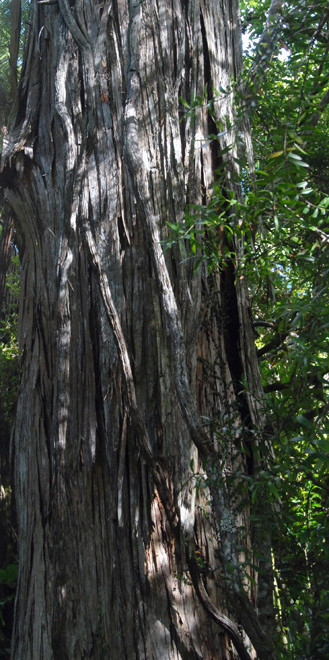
(112, 530)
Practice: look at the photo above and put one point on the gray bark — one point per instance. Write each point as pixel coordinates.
(108, 415)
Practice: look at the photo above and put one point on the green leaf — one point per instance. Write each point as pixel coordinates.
(304, 422)
(276, 154)
(184, 103)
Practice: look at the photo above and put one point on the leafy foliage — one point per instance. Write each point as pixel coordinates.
(4, 58)
(288, 203)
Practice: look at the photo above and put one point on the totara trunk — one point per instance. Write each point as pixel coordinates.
(120, 555)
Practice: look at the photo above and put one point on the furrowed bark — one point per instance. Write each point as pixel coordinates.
(109, 412)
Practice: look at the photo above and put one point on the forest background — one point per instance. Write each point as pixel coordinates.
(284, 94)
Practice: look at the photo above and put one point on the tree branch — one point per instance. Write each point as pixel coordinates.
(276, 387)
(264, 324)
(217, 616)
(273, 24)
(266, 45)
(277, 341)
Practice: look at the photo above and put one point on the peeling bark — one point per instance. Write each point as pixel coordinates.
(108, 416)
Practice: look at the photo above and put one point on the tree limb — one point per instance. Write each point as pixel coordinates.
(276, 387)
(273, 24)
(266, 45)
(217, 616)
(264, 324)
(277, 340)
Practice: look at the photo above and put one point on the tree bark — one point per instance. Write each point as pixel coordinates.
(108, 426)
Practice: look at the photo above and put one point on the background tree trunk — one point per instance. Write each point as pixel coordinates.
(101, 156)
